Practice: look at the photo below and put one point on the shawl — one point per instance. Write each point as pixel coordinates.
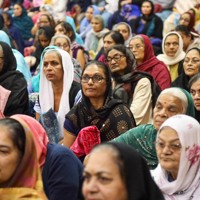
(18, 100)
(46, 95)
(142, 137)
(23, 21)
(139, 184)
(26, 181)
(180, 54)
(154, 66)
(39, 136)
(181, 81)
(187, 183)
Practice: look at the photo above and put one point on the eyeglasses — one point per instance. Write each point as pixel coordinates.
(62, 45)
(136, 47)
(173, 147)
(116, 58)
(193, 61)
(95, 79)
(168, 44)
(184, 19)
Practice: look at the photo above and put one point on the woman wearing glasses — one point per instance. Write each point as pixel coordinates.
(133, 87)
(97, 107)
(178, 151)
(191, 66)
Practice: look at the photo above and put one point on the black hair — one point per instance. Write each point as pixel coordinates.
(116, 36)
(184, 29)
(194, 79)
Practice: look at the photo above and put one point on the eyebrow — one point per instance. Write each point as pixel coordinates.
(170, 140)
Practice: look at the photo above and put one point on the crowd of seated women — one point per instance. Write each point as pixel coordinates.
(99, 101)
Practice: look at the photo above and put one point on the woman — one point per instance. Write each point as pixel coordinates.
(61, 170)
(135, 88)
(78, 51)
(171, 101)
(125, 30)
(14, 82)
(194, 87)
(64, 43)
(191, 66)
(173, 54)
(177, 146)
(20, 173)
(122, 174)
(57, 91)
(23, 22)
(97, 106)
(148, 23)
(94, 38)
(146, 61)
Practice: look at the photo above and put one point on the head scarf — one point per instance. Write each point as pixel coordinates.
(39, 135)
(192, 20)
(139, 183)
(180, 54)
(46, 92)
(188, 178)
(27, 177)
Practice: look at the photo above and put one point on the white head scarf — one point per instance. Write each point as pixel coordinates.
(180, 54)
(187, 184)
(46, 91)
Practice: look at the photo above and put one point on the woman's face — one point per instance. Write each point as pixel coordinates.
(96, 25)
(137, 47)
(191, 63)
(9, 156)
(52, 67)
(94, 82)
(108, 42)
(168, 148)
(116, 61)
(195, 92)
(146, 8)
(62, 43)
(185, 19)
(17, 10)
(59, 30)
(43, 21)
(102, 179)
(124, 30)
(171, 45)
(43, 40)
(89, 13)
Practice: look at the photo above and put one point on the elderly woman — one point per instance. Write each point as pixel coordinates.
(136, 89)
(57, 91)
(146, 61)
(20, 172)
(61, 170)
(97, 107)
(173, 54)
(194, 88)
(177, 147)
(170, 102)
(122, 174)
(14, 93)
(191, 66)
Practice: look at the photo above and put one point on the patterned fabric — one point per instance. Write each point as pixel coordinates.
(187, 183)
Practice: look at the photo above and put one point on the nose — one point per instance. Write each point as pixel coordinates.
(91, 185)
(166, 149)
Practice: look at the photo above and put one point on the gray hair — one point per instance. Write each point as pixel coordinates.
(53, 39)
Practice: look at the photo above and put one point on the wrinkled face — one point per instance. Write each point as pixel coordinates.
(52, 67)
(166, 106)
(43, 21)
(17, 10)
(124, 30)
(137, 47)
(59, 30)
(195, 92)
(116, 61)
(43, 40)
(89, 14)
(102, 180)
(108, 42)
(186, 40)
(185, 19)
(1, 59)
(9, 156)
(93, 82)
(146, 8)
(96, 25)
(168, 148)
(191, 63)
(63, 44)
(171, 45)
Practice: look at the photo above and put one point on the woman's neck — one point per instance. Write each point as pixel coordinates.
(57, 87)
(97, 103)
